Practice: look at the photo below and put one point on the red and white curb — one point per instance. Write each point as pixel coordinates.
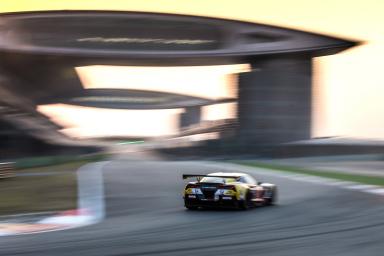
(90, 209)
(366, 188)
(69, 218)
(61, 221)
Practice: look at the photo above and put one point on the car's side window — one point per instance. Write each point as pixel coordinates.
(249, 180)
(241, 179)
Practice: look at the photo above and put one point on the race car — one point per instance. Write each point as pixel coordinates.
(227, 190)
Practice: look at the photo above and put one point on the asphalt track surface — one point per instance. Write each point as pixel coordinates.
(145, 216)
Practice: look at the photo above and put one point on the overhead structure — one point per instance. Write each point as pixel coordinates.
(41, 49)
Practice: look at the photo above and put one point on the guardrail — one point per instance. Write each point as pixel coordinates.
(7, 170)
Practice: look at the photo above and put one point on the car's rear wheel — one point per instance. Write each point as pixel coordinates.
(247, 202)
(190, 207)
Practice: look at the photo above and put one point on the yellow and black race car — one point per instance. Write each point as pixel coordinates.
(228, 190)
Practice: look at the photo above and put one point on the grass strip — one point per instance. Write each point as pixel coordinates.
(31, 162)
(365, 179)
(54, 188)
(38, 193)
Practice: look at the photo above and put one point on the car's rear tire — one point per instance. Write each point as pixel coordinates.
(191, 208)
(246, 203)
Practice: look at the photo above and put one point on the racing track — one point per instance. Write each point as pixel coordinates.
(145, 216)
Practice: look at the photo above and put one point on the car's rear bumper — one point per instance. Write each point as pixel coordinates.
(226, 202)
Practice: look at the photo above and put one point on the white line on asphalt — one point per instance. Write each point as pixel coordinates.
(363, 187)
(91, 206)
(303, 177)
(90, 202)
(379, 191)
(91, 189)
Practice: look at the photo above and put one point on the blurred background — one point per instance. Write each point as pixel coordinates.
(344, 100)
(130, 94)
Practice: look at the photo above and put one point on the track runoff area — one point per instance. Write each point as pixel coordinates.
(145, 215)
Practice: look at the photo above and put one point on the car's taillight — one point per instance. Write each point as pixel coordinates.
(191, 186)
(229, 187)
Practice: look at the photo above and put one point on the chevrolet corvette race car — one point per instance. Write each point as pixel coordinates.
(228, 190)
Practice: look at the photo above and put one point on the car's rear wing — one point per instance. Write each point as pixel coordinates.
(199, 176)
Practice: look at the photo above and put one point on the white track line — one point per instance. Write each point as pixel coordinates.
(372, 189)
(91, 189)
(90, 202)
(91, 206)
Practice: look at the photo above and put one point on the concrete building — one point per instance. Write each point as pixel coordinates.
(39, 50)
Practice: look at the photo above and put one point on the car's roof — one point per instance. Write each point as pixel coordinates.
(227, 174)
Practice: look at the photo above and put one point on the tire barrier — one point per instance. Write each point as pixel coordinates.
(7, 170)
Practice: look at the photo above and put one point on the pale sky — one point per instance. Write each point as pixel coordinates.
(349, 86)
(211, 82)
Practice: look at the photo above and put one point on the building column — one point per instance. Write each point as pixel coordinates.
(191, 116)
(275, 101)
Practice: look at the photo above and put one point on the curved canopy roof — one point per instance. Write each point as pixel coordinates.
(153, 38)
(132, 99)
